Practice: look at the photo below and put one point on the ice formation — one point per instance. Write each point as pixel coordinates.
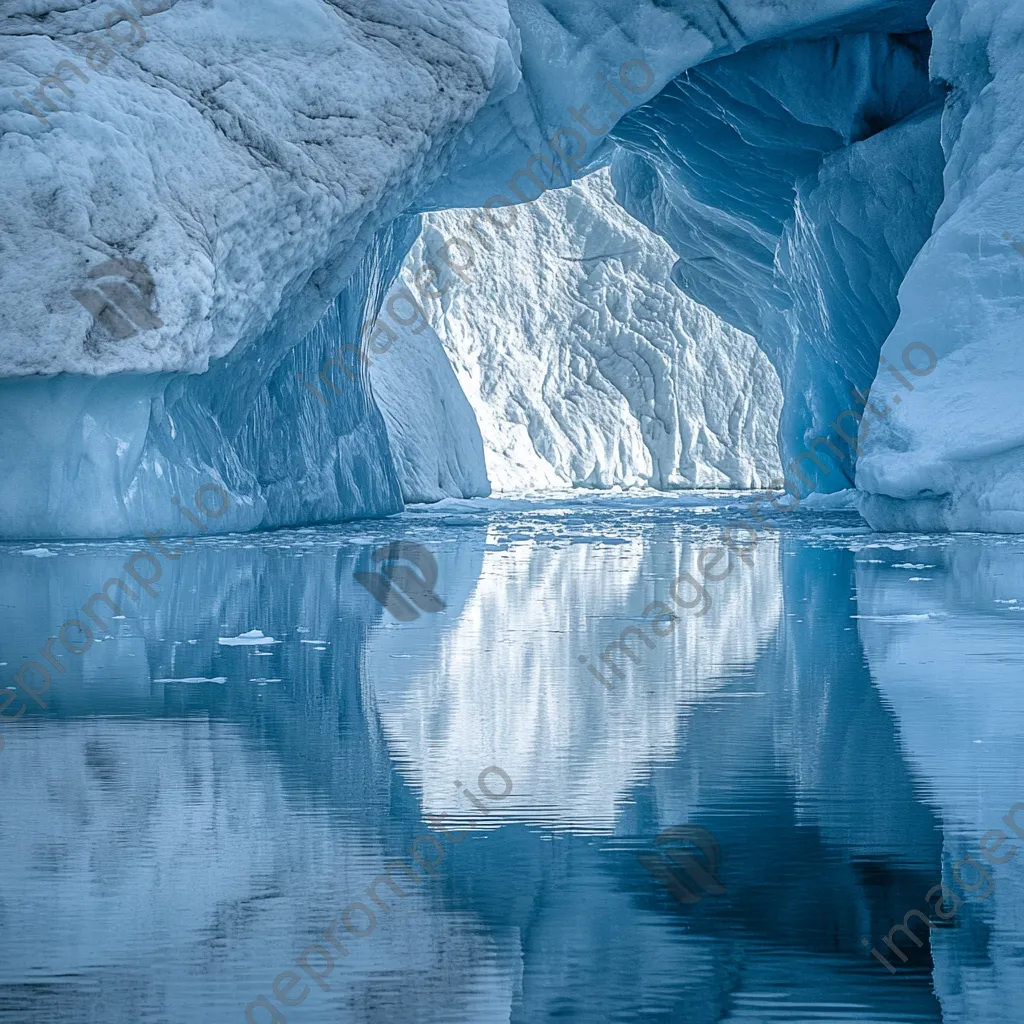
(204, 203)
(588, 366)
(432, 428)
(796, 181)
(951, 456)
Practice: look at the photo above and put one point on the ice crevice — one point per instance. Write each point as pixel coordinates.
(798, 190)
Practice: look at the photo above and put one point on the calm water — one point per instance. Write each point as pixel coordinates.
(187, 816)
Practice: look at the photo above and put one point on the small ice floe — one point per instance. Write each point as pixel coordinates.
(312, 641)
(909, 617)
(1011, 600)
(262, 681)
(253, 638)
(40, 552)
(194, 679)
(919, 579)
(912, 565)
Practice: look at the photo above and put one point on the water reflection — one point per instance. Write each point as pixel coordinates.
(172, 842)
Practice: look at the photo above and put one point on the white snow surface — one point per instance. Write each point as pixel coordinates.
(245, 151)
(242, 151)
(585, 365)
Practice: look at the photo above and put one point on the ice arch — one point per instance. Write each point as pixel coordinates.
(254, 162)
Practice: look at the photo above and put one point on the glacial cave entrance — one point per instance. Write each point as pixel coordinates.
(744, 241)
(583, 363)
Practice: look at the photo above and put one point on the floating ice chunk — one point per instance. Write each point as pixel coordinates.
(194, 679)
(40, 552)
(251, 639)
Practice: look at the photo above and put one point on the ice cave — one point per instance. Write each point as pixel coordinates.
(599, 400)
(627, 232)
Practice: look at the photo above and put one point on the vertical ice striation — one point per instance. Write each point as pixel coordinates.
(116, 450)
(585, 364)
(796, 182)
(435, 440)
(951, 455)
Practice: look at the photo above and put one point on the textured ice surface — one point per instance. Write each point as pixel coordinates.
(796, 182)
(245, 152)
(951, 456)
(434, 436)
(585, 364)
(254, 156)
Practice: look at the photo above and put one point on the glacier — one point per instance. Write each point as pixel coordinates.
(588, 368)
(830, 182)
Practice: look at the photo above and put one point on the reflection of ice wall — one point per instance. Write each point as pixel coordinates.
(194, 849)
(477, 695)
(947, 653)
(584, 363)
(213, 820)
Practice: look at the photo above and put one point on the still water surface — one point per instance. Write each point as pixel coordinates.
(187, 816)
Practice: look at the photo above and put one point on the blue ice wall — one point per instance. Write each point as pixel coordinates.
(796, 181)
(84, 457)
